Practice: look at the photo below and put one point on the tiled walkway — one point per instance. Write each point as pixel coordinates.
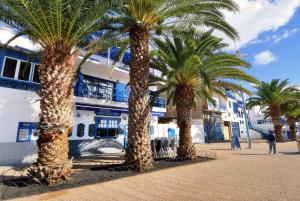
(246, 175)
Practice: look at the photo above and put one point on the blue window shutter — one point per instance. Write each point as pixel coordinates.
(171, 133)
(235, 108)
(121, 92)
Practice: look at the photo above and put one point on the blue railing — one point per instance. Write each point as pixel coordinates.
(91, 87)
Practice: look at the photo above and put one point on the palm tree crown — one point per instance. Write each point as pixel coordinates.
(161, 15)
(197, 62)
(270, 97)
(274, 93)
(70, 23)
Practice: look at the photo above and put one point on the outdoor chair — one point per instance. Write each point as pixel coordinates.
(153, 147)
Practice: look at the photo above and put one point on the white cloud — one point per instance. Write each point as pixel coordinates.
(264, 58)
(286, 34)
(276, 38)
(258, 16)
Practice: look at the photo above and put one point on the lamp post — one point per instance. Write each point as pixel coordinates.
(246, 119)
(238, 53)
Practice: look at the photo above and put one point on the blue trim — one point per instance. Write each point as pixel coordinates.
(2, 55)
(109, 111)
(158, 114)
(18, 84)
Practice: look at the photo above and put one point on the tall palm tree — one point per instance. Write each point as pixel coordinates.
(270, 96)
(194, 69)
(59, 27)
(141, 18)
(291, 111)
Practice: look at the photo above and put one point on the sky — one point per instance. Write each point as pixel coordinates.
(269, 37)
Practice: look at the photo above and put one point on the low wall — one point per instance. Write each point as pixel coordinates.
(17, 153)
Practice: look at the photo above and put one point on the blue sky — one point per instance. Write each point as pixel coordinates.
(269, 36)
(277, 52)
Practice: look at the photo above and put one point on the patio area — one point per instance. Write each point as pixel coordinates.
(250, 175)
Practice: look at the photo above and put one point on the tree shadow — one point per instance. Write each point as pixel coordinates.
(249, 154)
(221, 149)
(15, 186)
(290, 153)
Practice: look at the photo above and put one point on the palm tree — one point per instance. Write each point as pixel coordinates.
(194, 69)
(59, 27)
(141, 18)
(291, 111)
(270, 96)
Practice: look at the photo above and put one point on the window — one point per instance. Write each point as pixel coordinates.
(107, 128)
(24, 71)
(27, 131)
(9, 69)
(229, 102)
(16, 69)
(92, 130)
(35, 77)
(151, 130)
(80, 130)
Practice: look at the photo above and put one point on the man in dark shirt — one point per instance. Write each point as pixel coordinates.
(272, 143)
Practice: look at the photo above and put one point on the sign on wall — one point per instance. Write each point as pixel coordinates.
(27, 131)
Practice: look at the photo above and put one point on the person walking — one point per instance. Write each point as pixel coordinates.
(235, 143)
(272, 143)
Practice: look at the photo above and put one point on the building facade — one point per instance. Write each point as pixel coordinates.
(265, 125)
(100, 105)
(225, 119)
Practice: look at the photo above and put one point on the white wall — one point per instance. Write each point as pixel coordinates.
(16, 106)
(198, 131)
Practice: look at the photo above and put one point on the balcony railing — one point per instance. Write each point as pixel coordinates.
(91, 87)
(218, 107)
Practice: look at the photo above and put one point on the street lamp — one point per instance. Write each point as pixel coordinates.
(246, 119)
(238, 53)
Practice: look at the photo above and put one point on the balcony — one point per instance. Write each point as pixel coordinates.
(96, 88)
(218, 107)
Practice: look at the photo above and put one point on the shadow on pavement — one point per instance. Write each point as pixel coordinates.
(222, 149)
(87, 172)
(290, 153)
(250, 154)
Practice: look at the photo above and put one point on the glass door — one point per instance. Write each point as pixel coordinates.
(107, 127)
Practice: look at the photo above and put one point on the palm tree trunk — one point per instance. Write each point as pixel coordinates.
(139, 150)
(184, 99)
(276, 119)
(292, 125)
(57, 72)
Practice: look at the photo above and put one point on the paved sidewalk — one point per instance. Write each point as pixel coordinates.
(246, 175)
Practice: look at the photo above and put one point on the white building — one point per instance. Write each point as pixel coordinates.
(100, 105)
(262, 125)
(225, 119)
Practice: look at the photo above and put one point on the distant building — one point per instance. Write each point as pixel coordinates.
(264, 126)
(225, 119)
